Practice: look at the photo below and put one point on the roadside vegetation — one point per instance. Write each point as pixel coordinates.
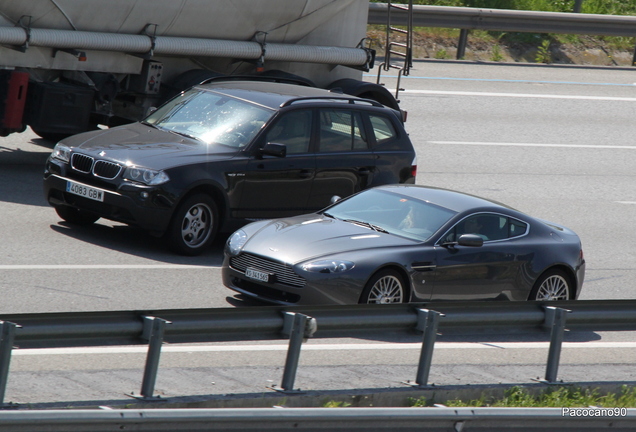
(558, 397)
(440, 43)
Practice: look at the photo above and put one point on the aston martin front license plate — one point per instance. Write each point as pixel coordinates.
(257, 275)
(85, 191)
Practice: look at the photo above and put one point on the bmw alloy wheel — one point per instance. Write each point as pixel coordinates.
(196, 225)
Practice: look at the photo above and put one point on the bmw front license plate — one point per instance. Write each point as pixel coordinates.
(85, 191)
(257, 275)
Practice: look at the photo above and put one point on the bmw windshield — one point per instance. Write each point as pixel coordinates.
(210, 117)
(392, 213)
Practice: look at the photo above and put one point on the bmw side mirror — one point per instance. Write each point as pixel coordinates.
(274, 149)
(473, 240)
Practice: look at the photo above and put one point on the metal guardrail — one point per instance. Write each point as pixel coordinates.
(509, 20)
(320, 419)
(50, 330)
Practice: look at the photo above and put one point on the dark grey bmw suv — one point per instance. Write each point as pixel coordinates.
(221, 154)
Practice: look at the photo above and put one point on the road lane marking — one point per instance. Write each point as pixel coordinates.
(106, 267)
(521, 95)
(315, 347)
(509, 144)
(516, 81)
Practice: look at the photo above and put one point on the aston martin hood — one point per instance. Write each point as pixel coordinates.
(300, 238)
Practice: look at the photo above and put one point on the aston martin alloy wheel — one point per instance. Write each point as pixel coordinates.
(553, 285)
(385, 287)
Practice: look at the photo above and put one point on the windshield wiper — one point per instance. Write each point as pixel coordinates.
(367, 225)
(184, 134)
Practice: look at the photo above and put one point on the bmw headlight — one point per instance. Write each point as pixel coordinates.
(61, 152)
(328, 266)
(236, 242)
(147, 176)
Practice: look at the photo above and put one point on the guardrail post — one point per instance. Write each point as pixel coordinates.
(427, 322)
(557, 316)
(299, 327)
(461, 46)
(7, 335)
(153, 331)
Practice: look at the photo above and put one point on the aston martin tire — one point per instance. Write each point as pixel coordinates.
(552, 285)
(385, 287)
(76, 216)
(193, 226)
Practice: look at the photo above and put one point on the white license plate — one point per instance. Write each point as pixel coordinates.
(258, 275)
(85, 191)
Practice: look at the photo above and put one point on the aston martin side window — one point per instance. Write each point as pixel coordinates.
(341, 131)
(294, 130)
(489, 227)
(517, 228)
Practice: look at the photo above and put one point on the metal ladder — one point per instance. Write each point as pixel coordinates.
(404, 50)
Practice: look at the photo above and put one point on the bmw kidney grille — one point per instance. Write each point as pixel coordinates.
(102, 169)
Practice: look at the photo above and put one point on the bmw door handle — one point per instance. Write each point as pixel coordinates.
(305, 173)
(364, 171)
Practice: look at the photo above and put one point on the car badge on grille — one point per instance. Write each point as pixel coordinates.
(102, 153)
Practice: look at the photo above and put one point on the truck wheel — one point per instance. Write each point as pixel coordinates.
(190, 78)
(283, 76)
(365, 90)
(54, 137)
(76, 216)
(193, 225)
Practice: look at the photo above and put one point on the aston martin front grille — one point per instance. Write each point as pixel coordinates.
(284, 272)
(106, 170)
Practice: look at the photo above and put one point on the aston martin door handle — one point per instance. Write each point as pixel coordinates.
(423, 266)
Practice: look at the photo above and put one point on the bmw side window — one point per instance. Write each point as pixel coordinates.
(341, 131)
(294, 130)
(382, 129)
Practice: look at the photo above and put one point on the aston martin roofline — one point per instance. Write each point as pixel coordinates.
(447, 198)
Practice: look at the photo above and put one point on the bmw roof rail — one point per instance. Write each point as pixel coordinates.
(262, 78)
(351, 100)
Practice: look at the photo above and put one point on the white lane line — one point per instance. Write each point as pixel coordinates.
(522, 95)
(315, 347)
(509, 144)
(105, 267)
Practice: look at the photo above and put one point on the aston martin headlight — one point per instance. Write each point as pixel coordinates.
(328, 266)
(147, 176)
(61, 152)
(236, 242)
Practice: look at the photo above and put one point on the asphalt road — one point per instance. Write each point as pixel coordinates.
(551, 141)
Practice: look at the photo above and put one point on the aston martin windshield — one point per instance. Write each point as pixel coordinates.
(212, 118)
(393, 213)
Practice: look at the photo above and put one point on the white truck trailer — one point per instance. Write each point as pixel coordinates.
(68, 65)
